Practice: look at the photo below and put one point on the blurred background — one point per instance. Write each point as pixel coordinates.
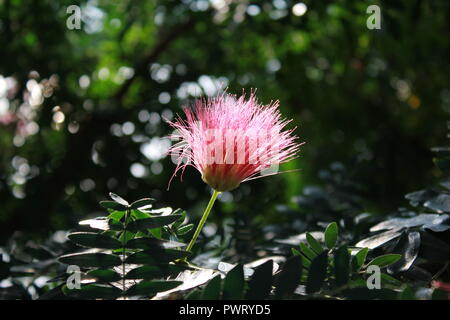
(81, 110)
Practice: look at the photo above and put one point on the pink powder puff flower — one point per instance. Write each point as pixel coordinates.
(230, 140)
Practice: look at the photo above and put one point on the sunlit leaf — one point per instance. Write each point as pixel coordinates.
(441, 203)
(307, 251)
(385, 260)
(360, 258)
(118, 199)
(146, 202)
(380, 239)
(185, 229)
(408, 246)
(315, 245)
(331, 235)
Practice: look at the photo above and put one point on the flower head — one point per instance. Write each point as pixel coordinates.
(230, 140)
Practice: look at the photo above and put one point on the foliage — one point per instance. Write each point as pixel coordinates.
(26, 266)
(124, 254)
(136, 252)
(128, 251)
(353, 93)
(366, 99)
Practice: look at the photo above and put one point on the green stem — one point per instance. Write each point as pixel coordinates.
(203, 219)
(124, 256)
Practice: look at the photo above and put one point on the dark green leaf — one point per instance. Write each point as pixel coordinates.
(440, 295)
(138, 214)
(289, 278)
(157, 232)
(39, 252)
(387, 279)
(114, 225)
(157, 271)
(315, 245)
(195, 294)
(185, 229)
(306, 262)
(233, 286)
(260, 284)
(142, 203)
(367, 294)
(212, 290)
(153, 222)
(317, 273)
(55, 293)
(407, 294)
(180, 221)
(307, 251)
(104, 275)
(157, 256)
(113, 205)
(94, 240)
(99, 260)
(342, 266)
(126, 236)
(93, 291)
(295, 252)
(151, 243)
(116, 215)
(151, 288)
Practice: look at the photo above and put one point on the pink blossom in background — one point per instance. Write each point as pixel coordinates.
(444, 286)
(8, 118)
